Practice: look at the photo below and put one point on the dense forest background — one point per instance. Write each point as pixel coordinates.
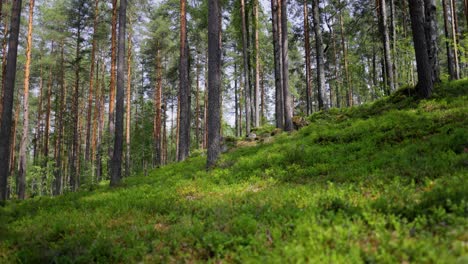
(276, 68)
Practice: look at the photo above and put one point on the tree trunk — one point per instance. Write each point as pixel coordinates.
(128, 105)
(197, 104)
(245, 52)
(184, 92)
(451, 68)
(58, 156)
(288, 104)
(236, 102)
(38, 136)
(424, 86)
(307, 58)
(76, 144)
(275, 17)
(214, 80)
(91, 82)
(8, 94)
(47, 119)
(257, 67)
(116, 164)
(21, 183)
(157, 106)
(431, 37)
(382, 11)
(454, 38)
(319, 55)
(394, 42)
(112, 76)
(4, 60)
(349, 88)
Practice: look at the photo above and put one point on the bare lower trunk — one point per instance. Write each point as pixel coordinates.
(424, 86)
(112, 76)
(257, 68)
(214, 81)
(21, 183)
(288, 103)
(307, 58)
(319, 55)
(116, 162)
(184, 92)
(450, 64)
(277, 60)
(91, 83)
(157, 117)
(8, 94)
(245, 50)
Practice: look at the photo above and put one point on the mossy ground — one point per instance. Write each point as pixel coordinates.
(381, 183)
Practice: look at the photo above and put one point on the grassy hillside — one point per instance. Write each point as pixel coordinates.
(380, 183)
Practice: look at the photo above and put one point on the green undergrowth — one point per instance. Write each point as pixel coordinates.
(380, 183)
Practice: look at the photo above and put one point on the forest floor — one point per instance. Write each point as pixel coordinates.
(381, 183)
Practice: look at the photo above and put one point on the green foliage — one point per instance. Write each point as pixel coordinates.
(381, 183)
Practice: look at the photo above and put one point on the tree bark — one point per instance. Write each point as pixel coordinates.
(288, 107)
(319, 55)
(425, 84)
(91, 82)
(454, 38)
(8, 94)
(431, 37)
(21, 183)
(214, 81)
(184, 89)
(382, 11)
(349, 88)
(307, 58)
(245, 52)
(157, 106)
(128, 105)
(450, 64)
(112, 76)
(57, 188)
(257, 67)
(116, 165)
(275, 10)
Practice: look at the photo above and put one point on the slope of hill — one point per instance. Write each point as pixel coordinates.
(384, 182)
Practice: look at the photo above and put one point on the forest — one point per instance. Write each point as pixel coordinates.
(165, 131)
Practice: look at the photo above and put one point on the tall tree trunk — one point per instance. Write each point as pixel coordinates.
(184, 92)
(112, 76)
(100, 128)
(38, 136)
(58, 156)
(197, 104)
(214, 80)
(21, 183)
(425, 84)
(245, 52)
(451, 68)
(74, 168)
(431, 37)
(236, 101)
(157, 106)
(257, 66)
(275, 10)
(288, 103)
(128, 104)
(116, 164)
(454, 38)
(8, 94)
(4, 58)
(14, 131)
(382, 10)
(394, 42)
(47, 119)
(319, 55)
(307, 58)
(91, 82)
(349, 88)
